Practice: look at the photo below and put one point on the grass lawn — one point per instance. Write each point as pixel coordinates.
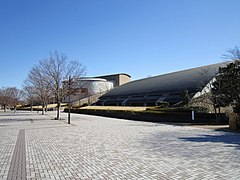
(123, 108)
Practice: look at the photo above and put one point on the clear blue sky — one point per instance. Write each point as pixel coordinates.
(139, 37)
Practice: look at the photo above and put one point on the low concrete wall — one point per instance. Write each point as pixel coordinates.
(174, 117)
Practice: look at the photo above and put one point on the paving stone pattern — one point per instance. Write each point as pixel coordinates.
(17, 168)
(106, 148)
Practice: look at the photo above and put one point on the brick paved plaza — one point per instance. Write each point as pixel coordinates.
(34, 146)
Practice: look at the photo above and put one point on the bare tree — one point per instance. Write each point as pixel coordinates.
(10, 97)
(16, 97)
(205, 96)
(232, 54)
(29, 94)
(40, 85)
(59, 68)
(4, 98)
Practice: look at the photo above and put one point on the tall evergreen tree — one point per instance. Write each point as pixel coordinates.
(226, 88)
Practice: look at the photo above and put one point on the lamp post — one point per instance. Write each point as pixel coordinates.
(69, 98)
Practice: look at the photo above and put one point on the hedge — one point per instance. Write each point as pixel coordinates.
(155, 116)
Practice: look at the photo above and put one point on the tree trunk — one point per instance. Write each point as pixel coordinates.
(69, 114)
(43, 109)
(215, 112)
(238, 120)
(219, 114)
(69, 108)
(58, 110)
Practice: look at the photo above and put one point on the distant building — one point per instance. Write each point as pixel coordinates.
(117, 79)
(86, 87)
(166, 88)
(89, 86)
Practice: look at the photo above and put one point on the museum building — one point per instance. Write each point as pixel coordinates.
(166, 88)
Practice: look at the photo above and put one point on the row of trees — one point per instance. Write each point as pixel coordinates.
(10, 97)
(45, 80)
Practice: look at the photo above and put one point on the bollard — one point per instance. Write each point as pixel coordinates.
(193, 115)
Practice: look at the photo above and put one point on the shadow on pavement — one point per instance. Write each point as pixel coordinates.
(230, 139)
